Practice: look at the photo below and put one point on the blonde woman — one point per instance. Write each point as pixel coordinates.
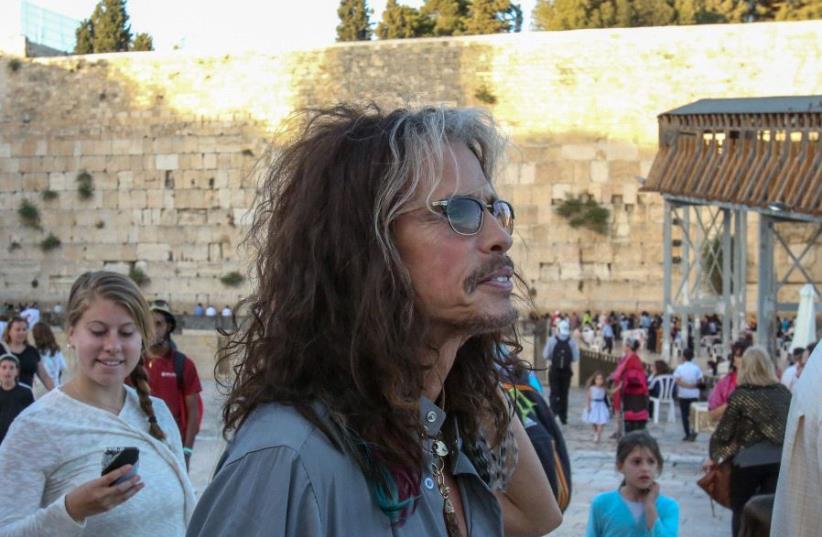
(752, 430)
(52, 458)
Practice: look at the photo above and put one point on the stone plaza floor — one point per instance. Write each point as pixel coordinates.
(593, 468)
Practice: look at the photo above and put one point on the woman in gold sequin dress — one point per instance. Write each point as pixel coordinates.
(752, 430)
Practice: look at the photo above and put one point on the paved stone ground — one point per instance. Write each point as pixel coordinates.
(593, 469)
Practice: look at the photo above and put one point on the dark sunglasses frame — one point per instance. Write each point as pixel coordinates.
(496, 208)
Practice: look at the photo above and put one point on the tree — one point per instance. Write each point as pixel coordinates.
(399, 22)
(85, 38)
(800, 10)
(578, 14)
(112, 32)
(142, 41)
(108, 30)
(575, 14)
(354, 21)
(447, 16)
(492, 17)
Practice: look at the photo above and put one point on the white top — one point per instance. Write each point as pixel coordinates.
(690, 373)
(55, 364)
(226, 312)
(636, 508)
(57, 444)
(210, 311)
(789, 377)
(31, 315)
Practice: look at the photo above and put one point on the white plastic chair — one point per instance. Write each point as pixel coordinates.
(666, 385)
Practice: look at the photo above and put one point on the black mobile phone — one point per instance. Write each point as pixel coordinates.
(114, 458)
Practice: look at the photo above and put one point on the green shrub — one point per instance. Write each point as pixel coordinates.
(232, 279)
(584, 211)
(15, 65)
(100, 224)
(50, 243)
(138, 276)
(248, 153)
(483, 94)
(85, 188)
(29, 214)
(49, 195)
(14, 245)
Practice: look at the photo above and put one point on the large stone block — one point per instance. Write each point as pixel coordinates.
(166, 162)
(578, 152)
(617, 150)
(153, 252)
(9, 165)
(623, 169)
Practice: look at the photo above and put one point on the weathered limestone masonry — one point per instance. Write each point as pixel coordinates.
(171, 141)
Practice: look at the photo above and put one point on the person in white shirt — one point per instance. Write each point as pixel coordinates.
(687, 376)
(791, 374)
(53, 454)
(211, 311)
(226, 312)
(49, 350)
(31, 314)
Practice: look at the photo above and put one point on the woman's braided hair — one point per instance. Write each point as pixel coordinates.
(121, 290)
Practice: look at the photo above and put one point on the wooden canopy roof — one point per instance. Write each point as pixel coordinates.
(759, 152)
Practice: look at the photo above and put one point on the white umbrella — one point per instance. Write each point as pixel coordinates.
(804, 326)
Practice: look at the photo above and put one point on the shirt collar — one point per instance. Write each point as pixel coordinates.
(431, 416)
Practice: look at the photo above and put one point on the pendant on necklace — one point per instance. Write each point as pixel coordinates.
(440, 449)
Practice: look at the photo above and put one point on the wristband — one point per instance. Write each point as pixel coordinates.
(187, 450)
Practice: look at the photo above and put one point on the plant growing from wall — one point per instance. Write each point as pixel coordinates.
(29, 214)
(50, 243)
(85, 185)
(138, 276)
(483, 94)
(14, 245)
(232, 279)
(49, 195)
(712, 260)
(100, 224)
(14, 65)
(584, 211)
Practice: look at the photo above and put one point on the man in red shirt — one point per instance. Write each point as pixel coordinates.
(173, 377)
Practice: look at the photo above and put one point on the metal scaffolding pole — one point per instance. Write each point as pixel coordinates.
(766, 301)
(667, 265)
(727, 306)
(686, 274)
(740, 272)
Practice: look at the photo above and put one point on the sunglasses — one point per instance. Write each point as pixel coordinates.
(465, 214)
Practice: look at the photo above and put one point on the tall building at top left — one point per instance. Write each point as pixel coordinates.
(27, 29)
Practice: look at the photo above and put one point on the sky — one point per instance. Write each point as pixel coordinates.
(225, 25)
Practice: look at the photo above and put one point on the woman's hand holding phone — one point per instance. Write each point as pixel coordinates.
(102, 494)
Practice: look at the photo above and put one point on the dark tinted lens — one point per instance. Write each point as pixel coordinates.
(505, 214)
(464, 215)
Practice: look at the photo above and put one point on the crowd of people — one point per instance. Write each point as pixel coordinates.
(369, 393)
(749, 403)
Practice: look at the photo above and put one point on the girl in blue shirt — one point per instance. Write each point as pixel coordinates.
(636, 508)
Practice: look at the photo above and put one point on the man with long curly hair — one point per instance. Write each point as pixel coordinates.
(366, 393)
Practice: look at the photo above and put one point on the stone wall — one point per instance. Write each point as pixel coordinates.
(174, 145)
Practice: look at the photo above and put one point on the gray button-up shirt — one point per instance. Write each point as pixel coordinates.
(281, 476)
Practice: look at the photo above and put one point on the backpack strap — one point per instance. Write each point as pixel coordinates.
(179, 366)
